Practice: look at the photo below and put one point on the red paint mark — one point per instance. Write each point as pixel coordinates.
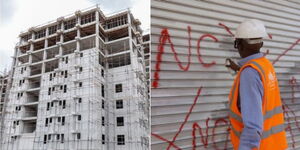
(226, 28)
(287, 110)
(293, 114)
(288, 128)
(198, 50)
(270, 36)
(165, 38)
(292, 83)
(291, 47)
(227, 135)
(186, 117)
(204, 139)
(163, 139)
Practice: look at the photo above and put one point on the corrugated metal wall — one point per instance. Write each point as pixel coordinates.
(189, 115)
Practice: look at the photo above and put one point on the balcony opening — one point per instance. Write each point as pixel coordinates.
(52, 41)
(29, 126)
(33, 96)
(24, 49)
(87, 43)
(101, 60)
(116, 21)
(146, 38)
(34, 82)
(101, 34)
(69, 24)
(69, 48)
(35, 69)
(52, 29)
(119, 60)
(40, 34)
(52, 52)
(26, 37)
(37, 57)
(30, 110)
(88, 18)
(89, 30)
(24, 59)
(51, 65)
(119, 46)
(70, 36)
(39, 45)
(117, 34)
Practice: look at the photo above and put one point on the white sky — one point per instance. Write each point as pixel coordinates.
(19, 15)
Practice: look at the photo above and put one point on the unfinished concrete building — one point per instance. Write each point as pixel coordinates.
(4, 89)
(80, 83)
(146, 45)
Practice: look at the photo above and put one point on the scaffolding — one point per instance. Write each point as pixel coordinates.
(64, 94)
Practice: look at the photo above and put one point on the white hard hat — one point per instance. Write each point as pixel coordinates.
(251, 28)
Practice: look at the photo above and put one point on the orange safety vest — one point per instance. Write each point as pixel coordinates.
(273, 136)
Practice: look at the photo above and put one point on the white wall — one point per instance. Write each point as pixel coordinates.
(177, 88)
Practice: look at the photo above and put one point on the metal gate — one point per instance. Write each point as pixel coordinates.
(190, 41)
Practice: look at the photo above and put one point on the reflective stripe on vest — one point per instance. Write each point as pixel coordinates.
(265, 134)
(259, 67)
(269, 114)
(232, 94)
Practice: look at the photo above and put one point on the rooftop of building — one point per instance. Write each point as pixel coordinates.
(81, 12)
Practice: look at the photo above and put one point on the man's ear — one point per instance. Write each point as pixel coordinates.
(261, 45)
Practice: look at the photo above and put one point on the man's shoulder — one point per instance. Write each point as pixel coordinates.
(249, 73)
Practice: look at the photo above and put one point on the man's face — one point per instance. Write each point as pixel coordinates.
(246, 49)
(238, 45)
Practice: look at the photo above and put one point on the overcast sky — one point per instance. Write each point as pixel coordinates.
(19, 15)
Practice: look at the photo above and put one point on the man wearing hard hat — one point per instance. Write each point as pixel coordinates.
(255, 109)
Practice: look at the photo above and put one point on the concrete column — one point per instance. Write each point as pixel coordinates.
(32, 33)
(97, 30)
(61, 38)
(130, 33)
(62, 25)
(77, 13)
(77, 43)
(17, 52)
(31, 48)
(44, 51)
(46, 39)
(43, 67)
(44, 58)
(15, 57)
(78, 40)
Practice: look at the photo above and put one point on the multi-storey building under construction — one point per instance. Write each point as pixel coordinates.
(4, 91)
(80, 82)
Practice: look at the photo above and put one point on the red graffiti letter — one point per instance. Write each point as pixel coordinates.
(198, 50)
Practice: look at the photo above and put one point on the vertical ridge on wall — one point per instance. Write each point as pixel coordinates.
(190, 84)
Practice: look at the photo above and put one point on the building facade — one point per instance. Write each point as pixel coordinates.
(80, 82)
(190, 41)
(4, 91)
